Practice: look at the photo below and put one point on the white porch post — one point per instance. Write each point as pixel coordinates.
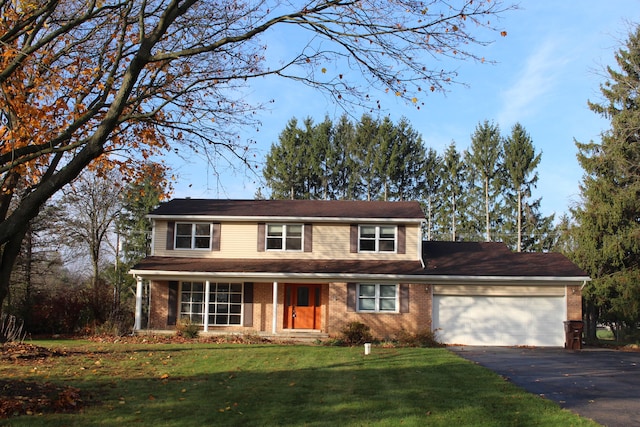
(137, 324)
(274, 322)
(205, 315)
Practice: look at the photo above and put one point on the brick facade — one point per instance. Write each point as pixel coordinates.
(574, 302)
(335, 312)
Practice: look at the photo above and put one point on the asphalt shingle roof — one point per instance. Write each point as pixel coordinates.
(441, 259)
(291, 208)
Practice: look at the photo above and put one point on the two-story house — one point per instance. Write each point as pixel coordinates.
(279, 267)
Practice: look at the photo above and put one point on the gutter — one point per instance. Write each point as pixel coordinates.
(351, 277)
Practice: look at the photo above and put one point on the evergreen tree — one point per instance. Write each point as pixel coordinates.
(407, 178)
(344, 169)
(430, 190)
(520, 162)
(485, 158)
(453, 187)
(367, 151)
(282, 170)
(607, 243)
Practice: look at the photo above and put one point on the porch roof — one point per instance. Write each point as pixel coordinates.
(444, 262)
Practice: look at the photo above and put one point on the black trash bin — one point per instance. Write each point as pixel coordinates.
(573, 334)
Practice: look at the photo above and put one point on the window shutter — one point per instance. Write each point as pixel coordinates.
(215, 240)
(404, 298)
(248, 305)
(351, 296)
(308, 238)
(170, 228)
(353, 238)
(261, 236)
(172, 303)
(402, 239)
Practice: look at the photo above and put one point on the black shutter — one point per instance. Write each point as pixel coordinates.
(353, 238)
(261, 236)
(215, 240)
(170, 228)
(351, 296)
(248, 305)
(172, 303)
(308, 237)
(402, 239)
(404, 298)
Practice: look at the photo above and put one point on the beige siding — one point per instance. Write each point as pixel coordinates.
(499, 290)
(240, 240)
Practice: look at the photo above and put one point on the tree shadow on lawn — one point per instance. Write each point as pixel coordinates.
(385, 388)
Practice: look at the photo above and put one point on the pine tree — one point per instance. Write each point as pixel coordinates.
(607, 236)
(485, 158)
(430, 191)
(453, 186)
(520, 162)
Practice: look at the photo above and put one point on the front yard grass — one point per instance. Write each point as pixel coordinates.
(288, 385)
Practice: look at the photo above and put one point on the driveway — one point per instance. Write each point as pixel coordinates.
(600, 384)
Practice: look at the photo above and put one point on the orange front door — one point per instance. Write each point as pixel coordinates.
(302, 306)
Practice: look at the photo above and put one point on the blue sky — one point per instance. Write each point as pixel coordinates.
(548, 66)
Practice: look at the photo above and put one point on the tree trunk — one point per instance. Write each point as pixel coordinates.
(590, 317)
(453, 218)
(8, 254)
(486, 208)
(519, 220)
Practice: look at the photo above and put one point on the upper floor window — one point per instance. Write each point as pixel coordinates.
(193, 235)
(377, 298)
(284, 237)
(377, 238)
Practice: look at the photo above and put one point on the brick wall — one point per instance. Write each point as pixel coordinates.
(158, 307)
(383, 325)
(574, 302)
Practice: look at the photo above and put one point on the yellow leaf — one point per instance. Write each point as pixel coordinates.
(414, 99)
(164, 376)
(324, 70)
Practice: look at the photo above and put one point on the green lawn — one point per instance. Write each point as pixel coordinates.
(264, 385)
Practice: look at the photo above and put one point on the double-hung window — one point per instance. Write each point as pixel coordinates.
(284, 237)
(377, 298)
(377, 238)
(193, 235)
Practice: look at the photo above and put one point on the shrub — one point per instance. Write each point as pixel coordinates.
(187, 329)
(422, 338)
(356, 333)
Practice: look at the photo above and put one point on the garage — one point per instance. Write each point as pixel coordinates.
(500, 316)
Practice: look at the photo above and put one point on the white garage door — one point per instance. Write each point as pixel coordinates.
(500, 320)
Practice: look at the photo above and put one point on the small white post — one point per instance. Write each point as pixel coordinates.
(367, 348)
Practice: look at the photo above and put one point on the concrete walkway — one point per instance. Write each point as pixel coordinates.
(600, 384)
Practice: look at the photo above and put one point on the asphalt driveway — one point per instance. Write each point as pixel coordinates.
(600, 384)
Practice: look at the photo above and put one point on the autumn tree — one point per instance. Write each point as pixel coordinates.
(114, 81)
(605, 239)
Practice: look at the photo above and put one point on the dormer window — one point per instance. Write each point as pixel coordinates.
(193, 236)
(377, 238)
(284, 237)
